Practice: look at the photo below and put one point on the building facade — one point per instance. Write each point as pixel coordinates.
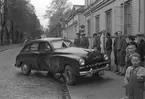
(74, 21)
(114, 15)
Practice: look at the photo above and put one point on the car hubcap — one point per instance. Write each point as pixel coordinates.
(25, 69)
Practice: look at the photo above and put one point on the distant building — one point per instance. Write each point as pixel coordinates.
(115, 15)
(74, 21)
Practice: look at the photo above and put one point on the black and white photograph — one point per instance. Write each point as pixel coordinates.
(72, 49)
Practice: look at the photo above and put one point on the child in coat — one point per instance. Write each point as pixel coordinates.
(135, 78)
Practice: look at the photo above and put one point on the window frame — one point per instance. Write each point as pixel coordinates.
(31, 45)
(97, 23)
(109, 20)
(44, 50)
(127, 17)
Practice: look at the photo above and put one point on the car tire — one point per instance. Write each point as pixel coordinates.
(26, 69)
(69, 75)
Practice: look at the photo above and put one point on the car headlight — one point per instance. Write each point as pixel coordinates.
(106, 57)
(82, 62)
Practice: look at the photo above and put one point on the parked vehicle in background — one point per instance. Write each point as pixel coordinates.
(56, 55)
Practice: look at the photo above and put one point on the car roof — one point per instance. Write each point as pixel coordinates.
(48, 39)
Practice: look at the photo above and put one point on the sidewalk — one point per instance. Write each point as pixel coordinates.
(11, 46)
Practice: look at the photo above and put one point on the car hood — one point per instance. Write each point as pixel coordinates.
(78, 51)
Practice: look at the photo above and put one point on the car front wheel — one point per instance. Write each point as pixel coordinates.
(69, 75)
(26, 69)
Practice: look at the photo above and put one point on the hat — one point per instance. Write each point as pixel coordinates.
(95, 34)
(131, 37)
(78, 33)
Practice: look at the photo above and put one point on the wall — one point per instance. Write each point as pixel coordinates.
(117, 24)
(72, 29)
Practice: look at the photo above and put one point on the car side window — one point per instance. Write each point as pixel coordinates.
(43, 46)
(26, 48)
(34, 47)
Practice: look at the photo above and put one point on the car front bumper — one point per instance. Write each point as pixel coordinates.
(91, 71)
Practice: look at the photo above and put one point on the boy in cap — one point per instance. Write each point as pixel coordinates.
(135, 78)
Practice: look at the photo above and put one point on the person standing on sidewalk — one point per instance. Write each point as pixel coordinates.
(102, 39)
(121, 53)
(141, 47)
(96, 43)
(84, 41)
(115, 52)
(77, 40)
(108, 48)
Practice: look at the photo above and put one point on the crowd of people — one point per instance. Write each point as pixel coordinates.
(129, 57)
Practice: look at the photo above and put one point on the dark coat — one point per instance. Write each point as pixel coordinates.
(141, 49)
(84, 42)
(96, 44)
(77, 42)
(114, 44)
(109, 44)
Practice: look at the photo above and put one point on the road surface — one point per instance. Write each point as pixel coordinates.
(110, 87)
(14, 85)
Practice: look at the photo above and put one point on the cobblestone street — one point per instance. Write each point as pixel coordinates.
(14, 85)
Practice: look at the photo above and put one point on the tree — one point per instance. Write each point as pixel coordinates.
(56, 12)
(17, 16)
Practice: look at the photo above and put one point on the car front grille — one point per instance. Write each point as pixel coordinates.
(93, 66)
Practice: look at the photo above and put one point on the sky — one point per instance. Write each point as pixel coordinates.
(40, 7)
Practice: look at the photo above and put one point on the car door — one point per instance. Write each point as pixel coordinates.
(34, 54)
(24, 55)
(44, 53)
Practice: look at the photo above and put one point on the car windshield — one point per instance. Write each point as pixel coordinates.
(59, 44)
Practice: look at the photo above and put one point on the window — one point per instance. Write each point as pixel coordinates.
(59, 44)
(127, 18)
(43, 46)
(97, 23)
(89, 27)
(26, 48)
(109, 21)
(34, 47)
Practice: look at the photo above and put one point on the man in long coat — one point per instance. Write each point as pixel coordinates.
(141, 47)
(115, 51)
(84, 42)
(77, 40)
(121, 53)
(96, 43)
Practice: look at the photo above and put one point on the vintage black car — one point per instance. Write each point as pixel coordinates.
(56, 56)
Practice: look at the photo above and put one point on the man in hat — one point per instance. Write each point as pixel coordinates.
(84, 42)
(141, 47)
(77, 40)
(96, 43)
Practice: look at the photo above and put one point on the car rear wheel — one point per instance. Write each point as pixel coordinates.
(69, 75)
(26, 69)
